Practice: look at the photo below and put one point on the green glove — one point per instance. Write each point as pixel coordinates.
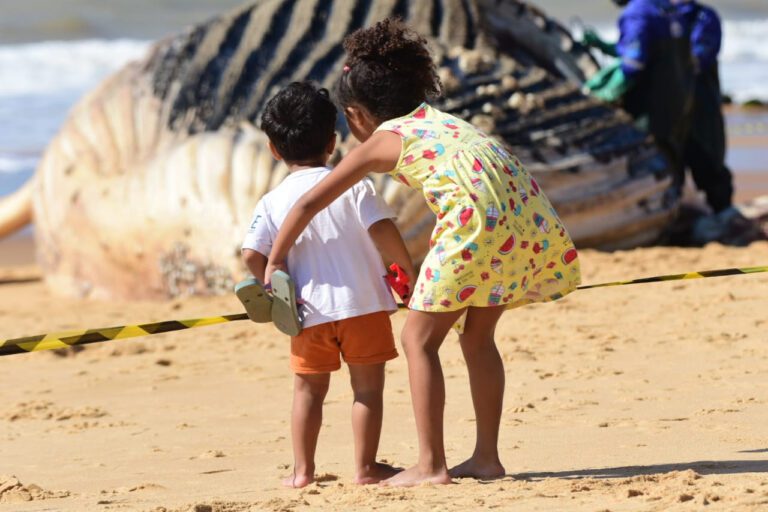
(609, 84)
(592, 40)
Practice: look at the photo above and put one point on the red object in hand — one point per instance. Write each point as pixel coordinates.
(398, 280)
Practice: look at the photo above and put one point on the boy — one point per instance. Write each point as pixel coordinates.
(339, 278)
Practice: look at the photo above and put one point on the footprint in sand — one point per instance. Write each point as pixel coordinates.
(13, 491)
(47, 410)
(210, 454)
(134, 488)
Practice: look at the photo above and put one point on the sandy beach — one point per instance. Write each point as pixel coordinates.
(651, 397)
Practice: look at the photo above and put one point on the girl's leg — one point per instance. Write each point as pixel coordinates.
(486, 380)
(422, 336)
(309, 391)
(367, 414)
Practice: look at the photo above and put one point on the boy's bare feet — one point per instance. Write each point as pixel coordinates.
(414, 476)
(475, 468)
(297, 481)
(376, 473)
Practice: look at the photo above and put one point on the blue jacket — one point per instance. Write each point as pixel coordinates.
(703, 25)
(642, 23)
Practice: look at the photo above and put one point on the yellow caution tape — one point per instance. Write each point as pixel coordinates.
(70, 338)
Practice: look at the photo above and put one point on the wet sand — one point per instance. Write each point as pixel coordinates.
(747, 130)
(750, 186)
(17, 250)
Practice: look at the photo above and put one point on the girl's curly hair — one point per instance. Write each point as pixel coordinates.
(389, 70)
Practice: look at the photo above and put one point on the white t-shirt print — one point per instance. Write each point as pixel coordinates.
(336, 267)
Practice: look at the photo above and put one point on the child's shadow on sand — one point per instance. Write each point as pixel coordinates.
(707, 467)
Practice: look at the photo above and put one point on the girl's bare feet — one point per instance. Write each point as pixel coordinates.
(475, 468)
(375, 473)
(414, 476)
(297, 481)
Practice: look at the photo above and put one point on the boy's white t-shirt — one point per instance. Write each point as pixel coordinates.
(337, 269)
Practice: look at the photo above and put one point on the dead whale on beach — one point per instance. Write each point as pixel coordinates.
(147, 189)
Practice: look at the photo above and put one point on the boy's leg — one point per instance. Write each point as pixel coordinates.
(309, 391)
(486, 380)
(367, 413)
(422, 336)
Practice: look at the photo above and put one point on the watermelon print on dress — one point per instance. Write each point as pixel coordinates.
(495, 225)
(465, 293)
(570, 256)
(508, 245)
(465, 215)
(479, 185)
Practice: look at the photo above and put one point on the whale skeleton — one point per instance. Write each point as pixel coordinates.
(146, 190)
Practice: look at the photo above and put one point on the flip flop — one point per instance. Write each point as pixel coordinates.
(257, 302)
(285, 313)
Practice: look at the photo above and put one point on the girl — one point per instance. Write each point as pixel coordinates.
(497, 243)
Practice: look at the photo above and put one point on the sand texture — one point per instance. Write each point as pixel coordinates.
(651, 397)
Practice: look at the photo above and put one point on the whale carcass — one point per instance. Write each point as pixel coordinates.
(146, 190)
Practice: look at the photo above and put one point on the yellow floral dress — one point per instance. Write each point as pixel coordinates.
(497, 240)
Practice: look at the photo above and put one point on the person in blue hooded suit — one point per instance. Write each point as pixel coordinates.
(653, 75)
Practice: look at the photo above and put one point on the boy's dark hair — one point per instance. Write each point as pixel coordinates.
(389, 70)
(300, 121)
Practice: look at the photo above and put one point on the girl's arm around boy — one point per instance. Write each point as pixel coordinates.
(390, 244)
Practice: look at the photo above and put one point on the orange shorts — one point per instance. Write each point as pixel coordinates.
(365, 339)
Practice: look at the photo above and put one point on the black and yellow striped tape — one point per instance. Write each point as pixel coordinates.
(678, 277)
(70, 338)
(66, 339)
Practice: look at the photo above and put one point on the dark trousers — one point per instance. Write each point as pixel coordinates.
(705, 143)
(710, 174)
(662, 94)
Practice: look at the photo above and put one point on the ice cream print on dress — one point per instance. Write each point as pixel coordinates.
(497, 240)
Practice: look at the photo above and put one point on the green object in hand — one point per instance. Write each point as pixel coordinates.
(592, 40)
(609, 84)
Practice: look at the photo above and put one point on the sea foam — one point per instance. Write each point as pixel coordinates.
(59, 66)
(42, 81)
(40, 84)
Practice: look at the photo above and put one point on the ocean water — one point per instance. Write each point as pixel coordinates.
(53, 51)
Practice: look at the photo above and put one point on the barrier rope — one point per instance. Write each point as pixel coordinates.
(66, 339)
(56, 340)
(679, 277)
